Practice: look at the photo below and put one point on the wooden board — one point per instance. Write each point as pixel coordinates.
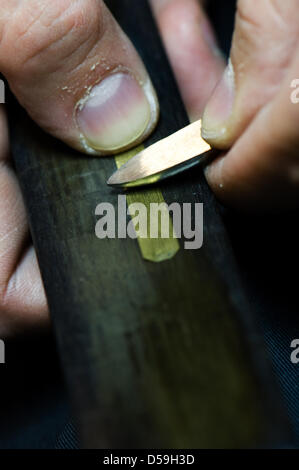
(155, 354)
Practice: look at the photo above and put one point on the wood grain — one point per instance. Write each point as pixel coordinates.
(155, 354)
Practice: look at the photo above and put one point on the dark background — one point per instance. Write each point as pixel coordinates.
(34, 408)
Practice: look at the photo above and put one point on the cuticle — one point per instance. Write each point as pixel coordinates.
(81, 102)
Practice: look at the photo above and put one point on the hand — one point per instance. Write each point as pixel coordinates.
(57, 54)
(79, 77)
(253, 114)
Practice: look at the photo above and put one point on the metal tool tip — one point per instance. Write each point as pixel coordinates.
(113, 180)
(110, 180)
(167, 157)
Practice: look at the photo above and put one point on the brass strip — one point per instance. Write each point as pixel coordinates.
(152, 249)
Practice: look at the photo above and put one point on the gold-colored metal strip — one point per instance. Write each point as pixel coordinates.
(152, 249)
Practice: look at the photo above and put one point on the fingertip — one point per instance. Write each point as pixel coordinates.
(192, 49)
(116, 114)
(214, 175)
(67, 75)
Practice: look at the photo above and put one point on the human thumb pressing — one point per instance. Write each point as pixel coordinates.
(76, 73)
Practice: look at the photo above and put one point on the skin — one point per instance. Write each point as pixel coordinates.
(46, 47)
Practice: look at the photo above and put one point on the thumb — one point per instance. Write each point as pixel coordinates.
(76, 73)
(264, 41)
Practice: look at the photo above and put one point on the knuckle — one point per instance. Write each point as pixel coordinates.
(57, 28)
(248, 16)
(270, 16)
(264, 39)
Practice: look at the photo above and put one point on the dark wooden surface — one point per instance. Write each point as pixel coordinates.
(155, 355)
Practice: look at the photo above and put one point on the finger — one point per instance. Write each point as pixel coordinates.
(192, 50)
(261, 171)
(22, 298)
(76, 73)
(24, 305)
(264, 42)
